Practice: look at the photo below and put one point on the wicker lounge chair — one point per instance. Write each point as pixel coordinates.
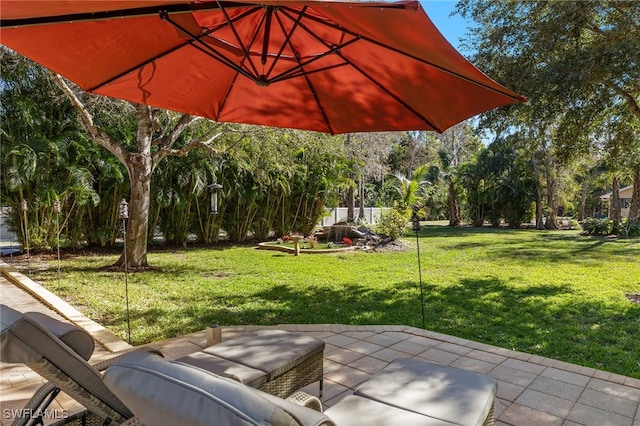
(274, 361)
(59, 352)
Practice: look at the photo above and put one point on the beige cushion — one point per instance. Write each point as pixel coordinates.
(449, 394)
(162, 392)
(225, 368)
(272, 351)
(25, 340)
(73, 336)
(357, 411)
(17, 350)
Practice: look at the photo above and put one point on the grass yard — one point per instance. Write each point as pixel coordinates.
(555, 294)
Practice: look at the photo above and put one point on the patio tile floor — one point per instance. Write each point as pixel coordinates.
(532, 390)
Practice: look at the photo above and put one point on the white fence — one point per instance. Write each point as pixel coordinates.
(371, 215)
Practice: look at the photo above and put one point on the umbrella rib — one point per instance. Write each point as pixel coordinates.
(288, 36)
(202, 47)
(208, 50)
(396, 98)
(226, 96)
(138, 12)
(141, 64)
(245, 52)
(315, 97)
(301, 72)
(414, 57)
(298, 70)
(120, 13)
(267, 32)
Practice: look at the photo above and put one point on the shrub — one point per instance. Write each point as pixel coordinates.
(591, 226)
(630, 228)
(393, 224)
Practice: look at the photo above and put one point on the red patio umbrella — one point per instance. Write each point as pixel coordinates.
(336, 67)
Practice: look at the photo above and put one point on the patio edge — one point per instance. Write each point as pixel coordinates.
(104, 337)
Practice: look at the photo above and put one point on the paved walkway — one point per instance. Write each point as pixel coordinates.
(532, 390)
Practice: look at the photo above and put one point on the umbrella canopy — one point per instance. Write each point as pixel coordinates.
(336, 67)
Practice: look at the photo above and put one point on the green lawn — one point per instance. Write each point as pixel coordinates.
(555, 294)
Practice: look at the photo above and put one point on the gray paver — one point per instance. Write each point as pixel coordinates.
(557, 388)
(623, 406)
(546, 403)
(587, 415)
(511, 375)
(566, 376)
(521, 415)
(614, 389)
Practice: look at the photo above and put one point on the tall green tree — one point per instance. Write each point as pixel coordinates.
(157, 135)
(457, 145)
(368, 152)
(43, 152)
(577, 63)
(499, 184)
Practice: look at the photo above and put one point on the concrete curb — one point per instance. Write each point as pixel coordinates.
(104, 337)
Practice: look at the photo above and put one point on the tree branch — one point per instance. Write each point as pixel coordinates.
(167, 141)
(86, 120)
(629, 98)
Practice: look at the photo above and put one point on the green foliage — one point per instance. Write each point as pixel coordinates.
(280, 182)
(595, 226)
(499, 185)
(45, 158)
(393, 223)
(630, 228)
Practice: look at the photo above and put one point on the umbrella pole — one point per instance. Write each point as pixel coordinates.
(416, 228)
(57, 210)
(124, 214)
(126, 281)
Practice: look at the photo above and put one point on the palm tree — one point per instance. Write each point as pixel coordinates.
(411, 189)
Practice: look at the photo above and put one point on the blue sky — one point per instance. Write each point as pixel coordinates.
(452, 28)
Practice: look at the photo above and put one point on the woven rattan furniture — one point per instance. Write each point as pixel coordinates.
(59, 352)
(275, 361)
(170, 393)
(408, 392)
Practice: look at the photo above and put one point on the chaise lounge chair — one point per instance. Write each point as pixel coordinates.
(59, 352)
(275, 361)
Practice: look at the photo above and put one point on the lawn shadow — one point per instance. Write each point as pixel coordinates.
(534, 319)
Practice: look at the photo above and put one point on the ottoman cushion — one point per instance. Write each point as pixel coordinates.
(272, 351)
(357, 411)
(222, 367)
(449, 394)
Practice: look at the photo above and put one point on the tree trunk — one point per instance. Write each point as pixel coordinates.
(351, 204)
(583, 201)
(454, 211)
(139, 167)
(551, 220)
(538, 189)
(361, 196)
(138, 223)
(634, 209)
(139, 163)
(351, 198)
(616, 212)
